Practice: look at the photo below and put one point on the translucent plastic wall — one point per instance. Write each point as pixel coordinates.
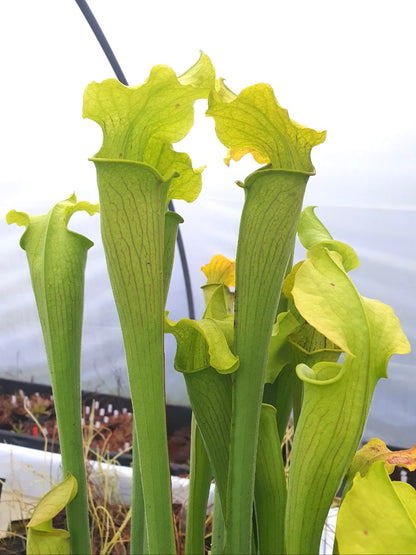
(340, 67)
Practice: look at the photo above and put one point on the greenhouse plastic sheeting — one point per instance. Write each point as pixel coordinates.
(361, 91)
(380, 236)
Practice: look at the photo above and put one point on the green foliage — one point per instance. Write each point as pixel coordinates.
(137, 173)
(377, 516)
(254, 122)
(206, 343)
(277, 338)
(57, 259)
(42, 537)
(376, 450)
(270, 485)
(336, 397)
(141, 123)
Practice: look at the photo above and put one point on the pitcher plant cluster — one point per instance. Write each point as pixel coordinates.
(274, 340)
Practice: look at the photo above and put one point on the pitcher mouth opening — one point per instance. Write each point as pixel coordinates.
(270, 170)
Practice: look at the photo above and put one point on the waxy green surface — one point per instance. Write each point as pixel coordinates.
(336, 396)
(138, 172)
(377, 516)
(204, 356)
(253, 122)
(57, 258)
(42, 537)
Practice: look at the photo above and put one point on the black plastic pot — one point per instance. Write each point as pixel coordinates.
(177, 417)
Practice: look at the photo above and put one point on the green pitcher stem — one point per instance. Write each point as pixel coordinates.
(336, 396)
(72, 451)
(270, 486)
(199, 486)
(138, 534)
(132, 202)
(172, 221)
(267, 230)
(210, 397)
(324, 449)
(218, 528)
(65, 380)
(57, 259)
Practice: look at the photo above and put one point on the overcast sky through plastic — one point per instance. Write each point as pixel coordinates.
(347, 67)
